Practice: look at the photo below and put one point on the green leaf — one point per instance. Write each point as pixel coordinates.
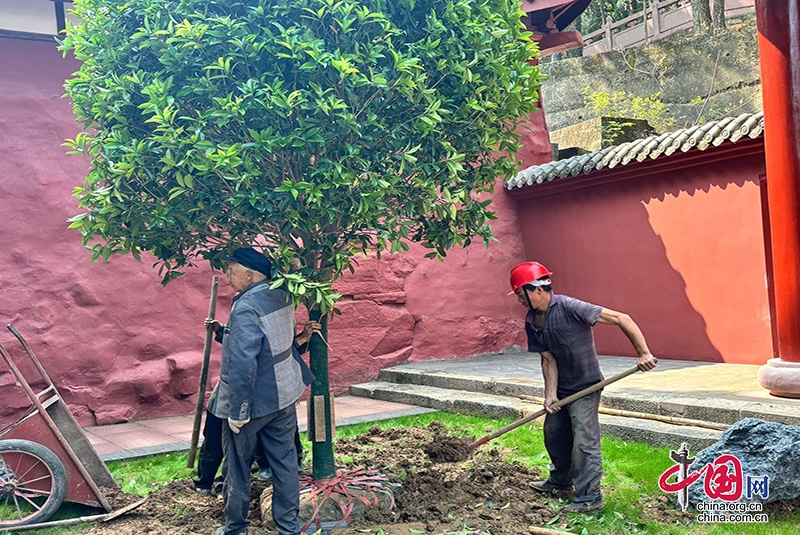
(325, 131)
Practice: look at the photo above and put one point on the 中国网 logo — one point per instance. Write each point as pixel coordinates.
(722, 480)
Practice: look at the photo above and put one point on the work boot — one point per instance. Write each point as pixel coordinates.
(548, 487)
(265, 474)
(201, 487)
(221, 531)
(584, 507)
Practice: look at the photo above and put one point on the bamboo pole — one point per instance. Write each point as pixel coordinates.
(646, 416)
(544, 531)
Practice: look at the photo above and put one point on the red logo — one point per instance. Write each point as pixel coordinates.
(721, 480)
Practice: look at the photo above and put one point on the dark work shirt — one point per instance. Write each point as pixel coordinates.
(567, 334)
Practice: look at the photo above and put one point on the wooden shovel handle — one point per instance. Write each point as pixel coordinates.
(559, 403)
(201, 391)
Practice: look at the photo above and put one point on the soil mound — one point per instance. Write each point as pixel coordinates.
(484, 492)
(447, 449)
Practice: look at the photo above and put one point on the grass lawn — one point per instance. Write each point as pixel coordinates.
(631, 472)
(630, 482)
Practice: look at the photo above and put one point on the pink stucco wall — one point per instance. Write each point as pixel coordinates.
(681, 250)
(119, 346)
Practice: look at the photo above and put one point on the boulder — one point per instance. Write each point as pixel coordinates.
(764, 449)
(184, 373)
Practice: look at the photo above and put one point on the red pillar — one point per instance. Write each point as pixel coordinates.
(779, 48)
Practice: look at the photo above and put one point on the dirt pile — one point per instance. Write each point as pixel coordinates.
(446, 449)
(483, 492)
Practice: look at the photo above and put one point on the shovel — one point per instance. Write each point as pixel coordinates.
(559, 403)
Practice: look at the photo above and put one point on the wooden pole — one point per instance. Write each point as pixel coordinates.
(80, 520)
(778, 23)
(559, 403)
(201, 391)
(534, 530)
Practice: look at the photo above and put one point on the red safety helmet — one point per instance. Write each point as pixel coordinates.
(528, 273)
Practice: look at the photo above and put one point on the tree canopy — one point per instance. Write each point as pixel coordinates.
(319, 129)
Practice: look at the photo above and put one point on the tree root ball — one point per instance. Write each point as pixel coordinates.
(446, 449)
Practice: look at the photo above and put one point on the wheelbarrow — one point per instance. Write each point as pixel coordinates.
(45, 457)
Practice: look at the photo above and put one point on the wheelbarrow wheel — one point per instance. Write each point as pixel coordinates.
(33, 483)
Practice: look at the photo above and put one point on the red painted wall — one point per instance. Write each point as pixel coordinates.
(681, 251)
(119, 346)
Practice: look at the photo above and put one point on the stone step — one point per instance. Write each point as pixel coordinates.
(499, 406)
(706, 409)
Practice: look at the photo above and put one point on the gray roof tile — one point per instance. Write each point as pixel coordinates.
(714, 133)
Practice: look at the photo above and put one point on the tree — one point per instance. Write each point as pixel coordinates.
(708, 16)
(622, 104)
(319, 129)
(718, 15)
(701, 16)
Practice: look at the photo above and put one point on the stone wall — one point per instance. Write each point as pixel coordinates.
(119, 346)
(589, 136)
(722, 71)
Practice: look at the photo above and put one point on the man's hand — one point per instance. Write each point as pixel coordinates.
(308, 331)
(647, 362)
(236, 425)
(549, 401)
(214, 324)
(550, 375)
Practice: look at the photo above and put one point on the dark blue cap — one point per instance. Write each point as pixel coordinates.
(252, 259)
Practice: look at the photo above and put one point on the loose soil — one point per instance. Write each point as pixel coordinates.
(482, 492)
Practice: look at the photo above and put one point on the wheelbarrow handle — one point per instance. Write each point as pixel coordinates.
(31, 355)
(558, 404)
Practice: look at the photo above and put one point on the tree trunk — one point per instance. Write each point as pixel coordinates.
(718, 15)
(701, 16)
(320, 405)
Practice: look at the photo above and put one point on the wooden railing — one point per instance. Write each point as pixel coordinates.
(656, 22)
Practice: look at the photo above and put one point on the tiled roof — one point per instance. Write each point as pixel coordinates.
(714, 133)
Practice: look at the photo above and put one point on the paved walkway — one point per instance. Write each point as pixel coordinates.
(675, 385)
(715, 386)
(163, 435)
(670, 377)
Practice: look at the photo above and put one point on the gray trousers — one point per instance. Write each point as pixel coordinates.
(572, 439)
(276, 433)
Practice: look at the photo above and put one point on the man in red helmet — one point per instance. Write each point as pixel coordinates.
(560, 329)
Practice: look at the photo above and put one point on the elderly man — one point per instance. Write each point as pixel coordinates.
(261, 378)
(560, 329)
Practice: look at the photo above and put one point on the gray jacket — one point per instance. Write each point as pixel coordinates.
(261, 371)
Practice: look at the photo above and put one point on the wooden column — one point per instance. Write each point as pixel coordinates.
(779, 48)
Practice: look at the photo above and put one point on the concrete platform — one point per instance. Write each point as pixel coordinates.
(491, 385)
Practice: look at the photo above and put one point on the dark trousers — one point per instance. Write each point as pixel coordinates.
(572, 439)
(276, 433)
(210, 456)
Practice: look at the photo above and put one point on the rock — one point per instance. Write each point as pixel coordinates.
(184, 370)
(764, 449)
